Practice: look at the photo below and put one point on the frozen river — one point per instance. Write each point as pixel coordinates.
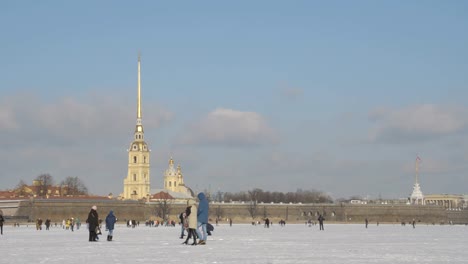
(241, 244)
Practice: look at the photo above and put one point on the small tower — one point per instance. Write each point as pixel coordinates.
(137, 183)
(417, 196)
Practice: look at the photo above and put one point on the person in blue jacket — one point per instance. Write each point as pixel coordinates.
(202, 218)
(110, 222)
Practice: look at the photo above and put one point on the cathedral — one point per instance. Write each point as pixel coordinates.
(137, 182)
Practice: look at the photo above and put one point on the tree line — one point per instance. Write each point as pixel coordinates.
(44, 182)
(258, 195)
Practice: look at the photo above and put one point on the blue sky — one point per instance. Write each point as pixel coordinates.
(337, 96)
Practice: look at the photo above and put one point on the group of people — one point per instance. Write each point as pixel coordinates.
(94, 225)
(195, 220)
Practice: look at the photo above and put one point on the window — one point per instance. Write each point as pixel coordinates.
(134, 159)
(144, 159)
(170, 184)
(134, 177)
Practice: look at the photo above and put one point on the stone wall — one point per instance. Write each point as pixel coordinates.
(57, 210)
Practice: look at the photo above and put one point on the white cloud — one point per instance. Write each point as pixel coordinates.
(94, 118)
(420, 122)
(229, 127)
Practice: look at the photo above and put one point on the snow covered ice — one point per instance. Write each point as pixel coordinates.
(241, 243)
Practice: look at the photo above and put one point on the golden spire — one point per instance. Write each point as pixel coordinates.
(139, 125)
(139, 89)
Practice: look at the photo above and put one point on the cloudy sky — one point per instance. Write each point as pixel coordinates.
(336, 96)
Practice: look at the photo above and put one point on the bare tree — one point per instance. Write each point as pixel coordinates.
(254, 195)
(164, 206)
(20, 189)
(44, 182)
(74, 186)
(218, 197)
(253, 209)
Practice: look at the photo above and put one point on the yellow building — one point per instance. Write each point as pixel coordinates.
(137, 183)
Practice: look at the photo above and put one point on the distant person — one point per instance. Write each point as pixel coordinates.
(1, 223)
(93, 223)
(202, 218)
(367, 222)
(230, 221)
(191, 221)
(38, 224)
(72, 224)
(47, 224)
(321, 219)
(110, 223)
(414, 223)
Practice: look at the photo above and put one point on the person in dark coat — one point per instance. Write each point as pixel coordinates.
(93, 223)
(110, 222)
(202, 218)
(1, 223)
(321, 219)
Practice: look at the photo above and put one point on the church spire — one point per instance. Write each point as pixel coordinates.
(139, 89)
(139, 125)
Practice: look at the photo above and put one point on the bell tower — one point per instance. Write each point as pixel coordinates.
(137, 183)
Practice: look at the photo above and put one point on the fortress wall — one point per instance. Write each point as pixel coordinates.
(57, 210)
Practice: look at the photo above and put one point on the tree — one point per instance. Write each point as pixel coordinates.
(252, 209)
(43, 183)
(218, 196)
(20, 189)
(74, 186)
(254, 195)
(164, 206)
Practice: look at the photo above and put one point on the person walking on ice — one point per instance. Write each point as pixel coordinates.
(110, 223)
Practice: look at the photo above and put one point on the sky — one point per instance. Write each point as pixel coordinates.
(294, 243)
(334, 96)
